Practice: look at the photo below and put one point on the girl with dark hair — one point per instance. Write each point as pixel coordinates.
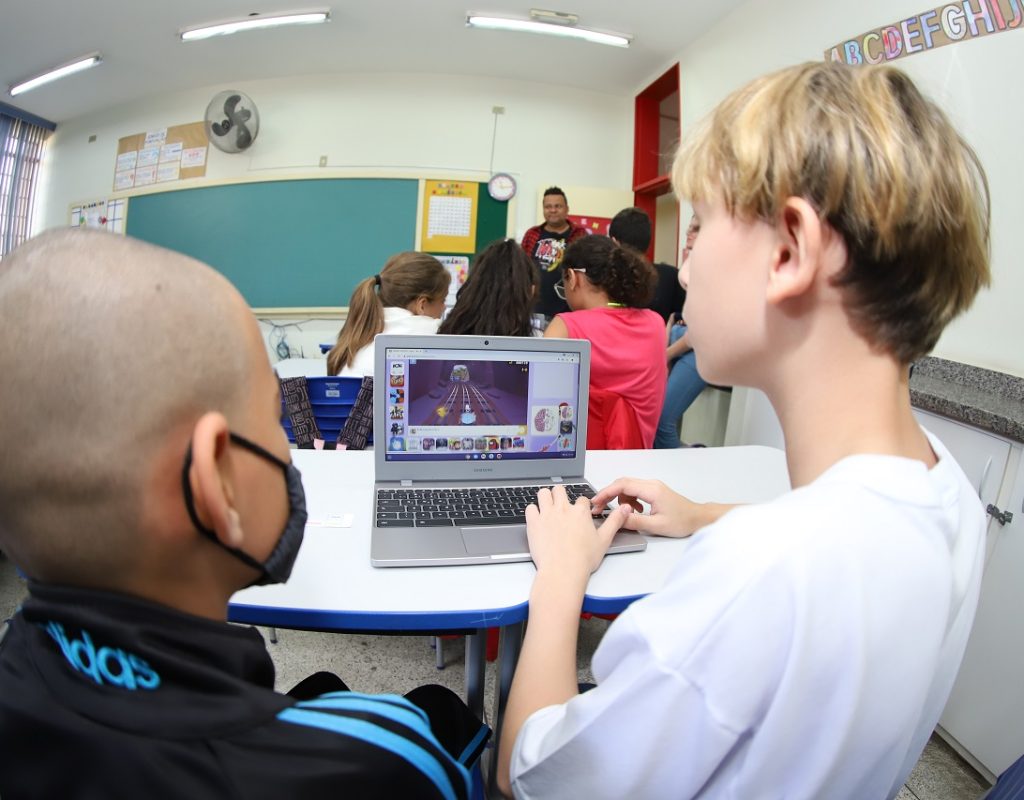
(406, 297)
(607, 286)
(498, 295)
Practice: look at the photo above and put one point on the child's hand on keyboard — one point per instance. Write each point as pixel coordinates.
(562, 535)
(670, 513)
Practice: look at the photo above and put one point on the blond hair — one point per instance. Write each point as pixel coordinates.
(882, 165)
(404, 279)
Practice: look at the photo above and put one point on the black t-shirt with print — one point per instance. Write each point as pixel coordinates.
(547, 255)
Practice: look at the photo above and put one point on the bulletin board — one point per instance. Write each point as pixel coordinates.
(450, 210)
(102, 213)
(160, 156)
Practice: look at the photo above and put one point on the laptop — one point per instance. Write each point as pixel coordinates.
(466, 429)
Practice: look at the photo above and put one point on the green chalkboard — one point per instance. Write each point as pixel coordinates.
(295, 243)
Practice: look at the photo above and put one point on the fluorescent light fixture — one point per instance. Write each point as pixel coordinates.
(529, 26)
(68, 69)
(252, 23)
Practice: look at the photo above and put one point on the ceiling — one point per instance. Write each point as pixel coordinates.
(143, 56)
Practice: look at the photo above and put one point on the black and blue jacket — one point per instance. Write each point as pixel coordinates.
(109, 696)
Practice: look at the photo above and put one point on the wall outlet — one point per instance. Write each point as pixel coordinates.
(323, 161)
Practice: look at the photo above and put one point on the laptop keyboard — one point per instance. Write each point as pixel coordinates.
(432, 508)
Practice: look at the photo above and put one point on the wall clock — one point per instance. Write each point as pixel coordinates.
(502, 187)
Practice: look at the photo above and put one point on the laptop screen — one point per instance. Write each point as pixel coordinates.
(465, 404)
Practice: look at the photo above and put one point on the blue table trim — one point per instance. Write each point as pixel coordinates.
(609, 605)
(323, 620)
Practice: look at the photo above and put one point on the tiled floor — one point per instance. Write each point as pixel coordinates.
(400, 663)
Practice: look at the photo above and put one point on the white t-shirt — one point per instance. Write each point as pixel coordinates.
(802, 648)
(396, 320)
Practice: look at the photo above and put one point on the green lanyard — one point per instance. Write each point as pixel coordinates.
(615, 305)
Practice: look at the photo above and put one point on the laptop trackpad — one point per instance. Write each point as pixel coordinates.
(496, 540)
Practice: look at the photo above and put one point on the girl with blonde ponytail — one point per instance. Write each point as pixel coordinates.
(406, 297)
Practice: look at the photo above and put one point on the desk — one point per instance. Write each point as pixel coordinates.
(334, 588)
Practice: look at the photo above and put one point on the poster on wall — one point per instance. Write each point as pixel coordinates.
(449, 216)
(99, 214)
(458, 268)
(165, 154)
(937, 27)
(598, 225)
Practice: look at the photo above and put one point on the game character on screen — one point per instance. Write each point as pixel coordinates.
(565, 419)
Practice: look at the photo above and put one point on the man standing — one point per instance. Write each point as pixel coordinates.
(545, 245)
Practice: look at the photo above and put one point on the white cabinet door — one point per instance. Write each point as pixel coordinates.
(980, 455)
(985, 713)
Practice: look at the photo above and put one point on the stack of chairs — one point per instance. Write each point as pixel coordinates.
(327, 409)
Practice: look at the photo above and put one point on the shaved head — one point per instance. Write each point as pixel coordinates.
(109, 345)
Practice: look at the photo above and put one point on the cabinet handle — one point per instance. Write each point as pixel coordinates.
(1002, 517)
(984, 475)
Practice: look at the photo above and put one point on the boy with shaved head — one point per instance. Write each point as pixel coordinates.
(144, 479)
(802, 648)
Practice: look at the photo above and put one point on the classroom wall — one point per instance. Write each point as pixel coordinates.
(666, 227)
(974, 82)
(594, 201)
(374, 124)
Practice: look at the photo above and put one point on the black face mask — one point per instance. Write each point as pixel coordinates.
(278, 565)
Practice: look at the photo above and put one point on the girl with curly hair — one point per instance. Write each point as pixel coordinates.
(607, 286)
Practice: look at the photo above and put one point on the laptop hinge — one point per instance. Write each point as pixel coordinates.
(556, 478)
(406, 482)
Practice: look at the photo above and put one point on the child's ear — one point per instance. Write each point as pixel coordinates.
(212, 478)
(797, 257)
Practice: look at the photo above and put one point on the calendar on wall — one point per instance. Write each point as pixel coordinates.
(449, 210)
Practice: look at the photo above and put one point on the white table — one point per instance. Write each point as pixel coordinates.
(718, 474)
(333, 587)
(300, 367)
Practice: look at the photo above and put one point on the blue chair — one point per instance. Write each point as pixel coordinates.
(331, 400)
(1009, 785)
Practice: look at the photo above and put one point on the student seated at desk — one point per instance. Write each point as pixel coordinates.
(684, 382)
(608, 288)
(406, 297)
(498, 295)
(802, 648)
(138, 508)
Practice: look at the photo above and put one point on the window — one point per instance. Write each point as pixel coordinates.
(21, 151)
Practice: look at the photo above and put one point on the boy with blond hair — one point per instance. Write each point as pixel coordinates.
(801, 648)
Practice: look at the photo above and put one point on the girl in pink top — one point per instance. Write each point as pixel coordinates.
(607, 287)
